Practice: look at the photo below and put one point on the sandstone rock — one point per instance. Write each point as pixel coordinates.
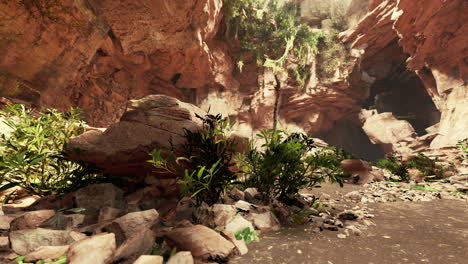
(182, 257)
(4, 243)
(47, 253)
(251, 194)
(354, 195)
(97, 249)
(384, 129)
(130, 224)
(236, 194)
(153, 122)
(184, 209)
(148, 259)
(264, 221)
(202, 242)
(140, 243)
(222, 214)
(241, 246)
(61, 221)
(26, 241)
(244, 206)
(237, 224)
(31, 220)
(96, 196)
(108, 213)
(5, 221)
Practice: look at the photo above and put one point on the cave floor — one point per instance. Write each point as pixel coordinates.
(405, 232)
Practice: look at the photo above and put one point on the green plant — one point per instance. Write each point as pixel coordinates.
(207, 159)
(425, 188)
(395, 165)
(33, 156)
(272, 34)
(462, 145)
(247, 235)
(427, 166)
(61, 260)
(283, 165)
(332, 53)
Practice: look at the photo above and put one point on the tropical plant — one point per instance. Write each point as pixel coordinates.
(395, 165)
(427, 166)
(284, 165)
(61, 260)
(207, 159)
(32, 155)
(247, 235)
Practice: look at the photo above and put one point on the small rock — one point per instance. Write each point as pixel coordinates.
(28, 240)
(330, 227)
(202, 241)
(182, 257)
(96, 196)
(251, 194)
(108, 213)
(264, 221)
(237, 194)
(354, 195)
(140, 243)
(31, 220)
(63, 222)
(348, 215)
(341, 236)
(241, 246)
(5, 221)
(148, 259)
(222, 214)
(47, 253)
(4, 243)
(244, 206)
(97, 249)
(126, 226)
(237, 224)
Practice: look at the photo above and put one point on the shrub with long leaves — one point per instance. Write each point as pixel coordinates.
(207, 158)
(32, 154)
(284, 165)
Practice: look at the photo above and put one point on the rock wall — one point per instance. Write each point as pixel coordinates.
(99, 54)
(431, 38)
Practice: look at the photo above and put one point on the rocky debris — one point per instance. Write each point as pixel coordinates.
(98, 249)
(264, 221)
(182, 257)
(202, 242)
(126, 226)
(153, 122)
(28, 240)
(61, 221)
(244, 206)
(46, 253)
(96, 196)
(140, 243)
(148, 259)
(108, 213)
(31, 220)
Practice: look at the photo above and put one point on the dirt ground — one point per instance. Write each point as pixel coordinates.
(405, 232)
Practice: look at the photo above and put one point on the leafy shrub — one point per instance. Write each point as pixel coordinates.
(271, 33)
(61, 260)
(207, 157)
(247, 235)
(395, 165)
(283, 165)
(32, 155)
(421, 162)
(332, 53)
(462, 145)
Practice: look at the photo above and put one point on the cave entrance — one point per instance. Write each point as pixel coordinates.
(403, 93)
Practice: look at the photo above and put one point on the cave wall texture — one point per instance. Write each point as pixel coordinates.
(98, 54)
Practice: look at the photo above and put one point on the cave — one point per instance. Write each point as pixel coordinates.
(403, 93)
(349, 135)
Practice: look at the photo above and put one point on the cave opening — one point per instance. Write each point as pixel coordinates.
(402, 93)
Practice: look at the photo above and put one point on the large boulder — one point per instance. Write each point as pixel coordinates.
(153, 122)
(97, 249)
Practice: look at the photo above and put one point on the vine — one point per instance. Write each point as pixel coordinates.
(272, 34)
